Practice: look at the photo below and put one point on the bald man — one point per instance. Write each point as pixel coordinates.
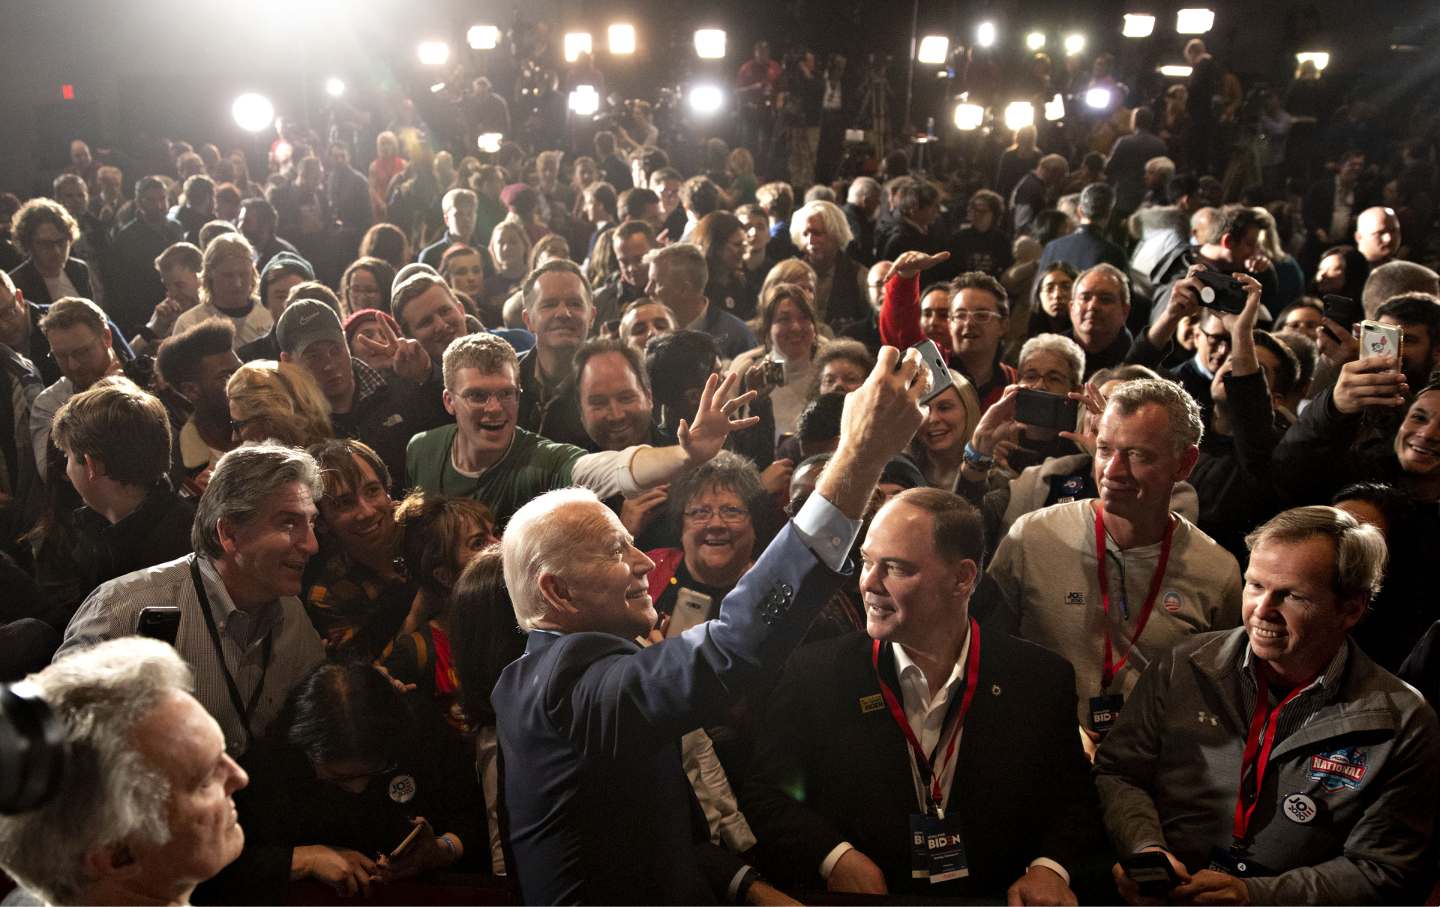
(1377, 235)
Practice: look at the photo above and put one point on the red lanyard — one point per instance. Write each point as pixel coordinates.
(1113, 667)
(930, 771)
(1257, 749)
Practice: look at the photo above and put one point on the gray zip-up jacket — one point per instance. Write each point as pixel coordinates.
(1347, 810)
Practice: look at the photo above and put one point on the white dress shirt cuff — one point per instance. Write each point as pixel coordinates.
(827, 865)
(608, 472)
(826, 531)
(1052, 866)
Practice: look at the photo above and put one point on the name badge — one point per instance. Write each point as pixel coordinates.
(1105, 711)
(937, 851)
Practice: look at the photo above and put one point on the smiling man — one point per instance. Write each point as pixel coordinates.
(558, 311)
(1276, 763)
(1111, 584)
(242, 628)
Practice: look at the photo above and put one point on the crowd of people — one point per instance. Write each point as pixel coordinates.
(585, 527)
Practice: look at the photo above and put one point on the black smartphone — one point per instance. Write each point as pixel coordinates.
(940, 380)
(1343, 310)
(160, 622)
(1151, 872)
(1221, 292)
(1045, 410)
(772, 373)
(1022, 458)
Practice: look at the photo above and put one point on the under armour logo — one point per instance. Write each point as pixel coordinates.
(1204, 717)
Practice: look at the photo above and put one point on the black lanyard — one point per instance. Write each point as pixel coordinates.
(242, 710)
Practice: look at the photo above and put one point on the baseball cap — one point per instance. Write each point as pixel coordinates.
(304, 322)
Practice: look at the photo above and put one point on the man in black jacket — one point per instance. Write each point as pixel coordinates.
(133, 285)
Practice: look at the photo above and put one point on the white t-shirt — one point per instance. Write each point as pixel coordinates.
(252, 326)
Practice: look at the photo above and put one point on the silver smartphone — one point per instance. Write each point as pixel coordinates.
(691, 608)
(940, 379)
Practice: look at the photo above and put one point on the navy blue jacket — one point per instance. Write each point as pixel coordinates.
(1084, 248)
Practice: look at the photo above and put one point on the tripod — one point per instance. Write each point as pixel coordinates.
(875, 103)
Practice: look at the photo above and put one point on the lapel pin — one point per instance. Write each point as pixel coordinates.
(995, 690)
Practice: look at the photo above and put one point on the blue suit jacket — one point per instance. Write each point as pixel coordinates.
(1084, 248)
(589, 724)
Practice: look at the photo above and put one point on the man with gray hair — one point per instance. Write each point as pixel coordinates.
(1036, 191)
(1114, 582)
(1276, 763)
(591, 723)
(559, 311)
(678, 274)
(241, 626)
(459, 207)
(143, 811)
(1087, 245)
(862, 207)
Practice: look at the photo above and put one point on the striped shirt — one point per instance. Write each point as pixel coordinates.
(113, 610)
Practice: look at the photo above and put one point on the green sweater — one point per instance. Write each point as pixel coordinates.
(532, 466)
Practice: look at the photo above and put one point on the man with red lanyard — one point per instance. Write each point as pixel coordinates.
(928, 755)
(1110, 584)
(1276, 763)
(979, 320)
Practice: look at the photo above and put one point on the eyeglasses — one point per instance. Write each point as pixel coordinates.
(56, 244)
(238, 426)
(480, 398)
(1220, 339)
(728, 514)
(981, 317)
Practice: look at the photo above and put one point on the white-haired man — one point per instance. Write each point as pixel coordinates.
(862, 207)
(142, 812)
(591, 724)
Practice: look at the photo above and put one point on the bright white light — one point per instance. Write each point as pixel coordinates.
(1018, 114)
(434, 53)
(706, 99)
(483, 37)
(1138, 25)
(576, 43)
(1055, 108)
(489, 142)
(969, 116)
(1194, 21)
(985, 34)
(710, 43)
(1097, 98)
(1320, 58)
(934, 50)
(1074, 44)
(1035, 40)
(622, 38)
(253, 112)
(584, 100)
(437, 88)
(1174, 71)
(334, 87)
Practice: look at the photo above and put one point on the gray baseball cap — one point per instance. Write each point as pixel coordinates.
(304, 322)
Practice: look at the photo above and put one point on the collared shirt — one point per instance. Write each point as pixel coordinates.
(113, 610)
(1319, 693)
(368, 381)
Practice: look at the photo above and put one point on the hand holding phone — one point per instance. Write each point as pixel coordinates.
(940, 380)
(1152, 873)
(1383, 341)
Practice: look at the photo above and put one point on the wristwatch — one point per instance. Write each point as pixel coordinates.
(976, 460)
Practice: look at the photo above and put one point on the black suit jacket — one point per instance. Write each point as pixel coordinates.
(29, 282)
(831, 766)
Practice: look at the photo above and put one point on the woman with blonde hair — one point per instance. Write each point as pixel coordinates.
(510, 253)
(277, 400)
(939, 445)
(229, 286)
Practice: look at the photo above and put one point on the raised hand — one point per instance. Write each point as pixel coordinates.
(913, 262)
(407, 357)
(702, 438)
(1373, 381)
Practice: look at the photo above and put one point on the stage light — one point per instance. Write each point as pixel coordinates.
(437, 87)
(253, 112)
(1018, 114)
(706, 99)
(622, 39)
(1074, 44)
(710, 43)
(334, 87)
(489, 142)
(1138, 25)
(985, 35)
(584, 100)
(969, 116)
(1097, 98)
(576, 43)
(1035, 40)
(1320, 58)
(1055, 108)
(1175, 71)
(434, 53)
(934, 50)
(1194, 21)
(483, 37)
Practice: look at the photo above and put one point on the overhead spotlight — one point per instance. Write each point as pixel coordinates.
(483, 37)
(1035, 40)
(584, 100)
(1018, 114)
(437, 87)
(1055, 108)
(1097, 98)
(335, 87)
(576, 43)
(253, 112)
(1195, 21)
(489, 142)
(434, 53)
(1074, 44)
(710, 43)
(1138, 25)
(1320, 58)
(706, 99)
(934, 50)
(1175, 71)
(985, 35)
(622, 39)
(969, 116)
